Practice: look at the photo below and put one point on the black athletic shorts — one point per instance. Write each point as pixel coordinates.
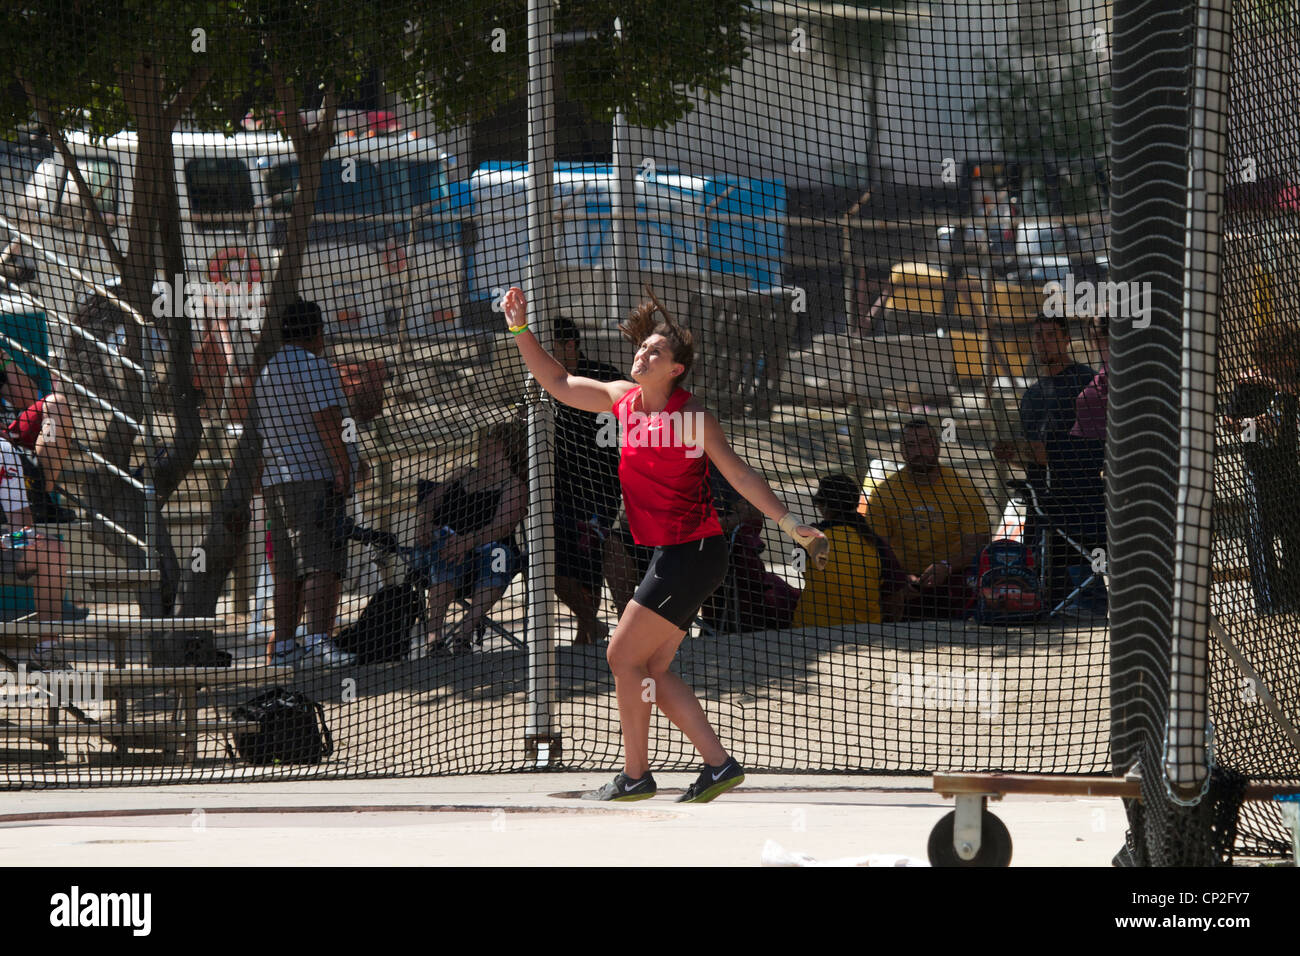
(681, 577)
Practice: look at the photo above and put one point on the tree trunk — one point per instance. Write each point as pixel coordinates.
(142, 90)
(224, 539)
(153, 232)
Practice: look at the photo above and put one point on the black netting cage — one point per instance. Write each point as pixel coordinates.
(415, 388)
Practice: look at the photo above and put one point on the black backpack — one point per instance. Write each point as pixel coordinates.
(383, 631)
(291, 729)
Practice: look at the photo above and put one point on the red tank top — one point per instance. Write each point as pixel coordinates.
(665, 480)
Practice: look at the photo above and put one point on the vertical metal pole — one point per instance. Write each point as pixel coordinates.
(858, 410)
(150, 453)
(1150, 69)
(622, 201)
(540, 724)
(1186, 759)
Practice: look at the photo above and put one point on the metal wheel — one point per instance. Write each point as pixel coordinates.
(995, 843)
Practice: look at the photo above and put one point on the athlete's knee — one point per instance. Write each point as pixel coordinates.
(622, 659)
(659, 665)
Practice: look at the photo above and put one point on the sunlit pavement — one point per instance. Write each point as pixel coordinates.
(526, 819)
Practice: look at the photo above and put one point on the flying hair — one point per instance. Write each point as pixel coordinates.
(643, 322)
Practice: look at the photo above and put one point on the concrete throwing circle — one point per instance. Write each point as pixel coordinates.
(375, 814)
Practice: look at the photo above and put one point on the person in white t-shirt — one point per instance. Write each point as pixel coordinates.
(308, 470)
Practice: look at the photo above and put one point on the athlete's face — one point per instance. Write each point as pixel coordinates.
(654, 362)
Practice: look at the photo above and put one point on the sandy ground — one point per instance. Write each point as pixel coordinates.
(901, 697)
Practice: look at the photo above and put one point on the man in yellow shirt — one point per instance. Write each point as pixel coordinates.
(936, 523)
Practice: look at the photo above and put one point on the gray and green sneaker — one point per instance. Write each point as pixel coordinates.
(713, 782)
(625, 788)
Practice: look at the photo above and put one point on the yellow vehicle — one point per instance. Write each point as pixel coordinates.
(972, 312)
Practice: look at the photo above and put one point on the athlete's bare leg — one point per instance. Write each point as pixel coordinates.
(643, 637)
(680, 705)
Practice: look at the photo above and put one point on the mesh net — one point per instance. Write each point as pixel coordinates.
(1253, 672)
(276, 440)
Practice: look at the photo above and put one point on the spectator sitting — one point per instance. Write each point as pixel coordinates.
(935, 521)
(626, 563)
(1064, 470)
(587, 491)
(307, 475)
(42, 427)
(31, 558)
(862, 581)
(762, 600)
(1265, 411)
(466, 527)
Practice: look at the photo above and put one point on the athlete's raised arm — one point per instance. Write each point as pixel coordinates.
(584, 393)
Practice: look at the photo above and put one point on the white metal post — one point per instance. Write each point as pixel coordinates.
(540, 725)
(622, 202)
(1186, 759)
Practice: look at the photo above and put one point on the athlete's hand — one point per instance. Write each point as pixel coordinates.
(815, 543)
(515, 306)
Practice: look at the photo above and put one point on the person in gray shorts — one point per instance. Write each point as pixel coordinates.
(307, 475)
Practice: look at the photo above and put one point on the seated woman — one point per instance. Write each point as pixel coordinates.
(862, 582)
(465, 526)
(42, 426)
(32, 559)
(752, 598)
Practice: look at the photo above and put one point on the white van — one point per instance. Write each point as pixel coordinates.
(372, 262)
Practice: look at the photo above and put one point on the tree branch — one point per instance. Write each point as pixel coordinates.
(185, 96)
(45, 115)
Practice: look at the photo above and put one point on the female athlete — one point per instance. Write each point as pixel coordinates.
(667, 442)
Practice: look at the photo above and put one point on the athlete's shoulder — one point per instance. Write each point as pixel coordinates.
(627, 397)
(690, 403)
(896, 482)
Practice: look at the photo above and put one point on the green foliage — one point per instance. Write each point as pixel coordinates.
(1058, 108)
(81, 56)
(77, 53)
(671, 51)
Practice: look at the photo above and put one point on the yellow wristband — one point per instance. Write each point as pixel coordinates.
(516, 329)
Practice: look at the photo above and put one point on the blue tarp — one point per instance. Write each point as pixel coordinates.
(22, 321)
(671, 234)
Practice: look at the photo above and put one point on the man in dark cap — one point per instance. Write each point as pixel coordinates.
(1063, 469)
(587, 490)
